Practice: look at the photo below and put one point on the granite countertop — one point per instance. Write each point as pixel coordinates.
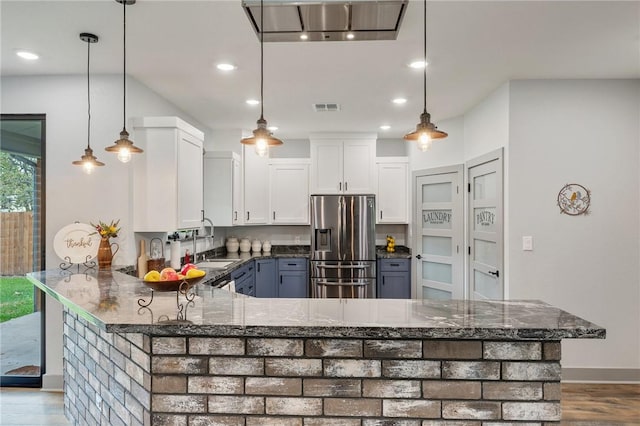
(401, 252)
(110, 300)
(240, 258)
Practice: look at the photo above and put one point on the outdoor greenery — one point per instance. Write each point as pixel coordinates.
(16, 182)
(16, 297)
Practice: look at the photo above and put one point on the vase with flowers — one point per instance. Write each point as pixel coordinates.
(105, 249)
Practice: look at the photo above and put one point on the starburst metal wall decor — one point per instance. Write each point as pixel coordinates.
(574, 199)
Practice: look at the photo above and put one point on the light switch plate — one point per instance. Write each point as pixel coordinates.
(527, 243)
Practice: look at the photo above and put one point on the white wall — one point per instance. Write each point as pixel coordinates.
(586, 132)
(556, 132)
(486, 126)
(72, 195)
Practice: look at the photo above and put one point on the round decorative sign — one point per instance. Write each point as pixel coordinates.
(574, 199)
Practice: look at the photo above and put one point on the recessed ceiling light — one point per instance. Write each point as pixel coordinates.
(350, 36)
(304, 37)
(226, 67)
(253, 102)
(27, 55)
(272, 128)
(385, 127)
(399, 101)
(418, 64)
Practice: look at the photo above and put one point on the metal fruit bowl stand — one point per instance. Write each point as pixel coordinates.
(182, 286)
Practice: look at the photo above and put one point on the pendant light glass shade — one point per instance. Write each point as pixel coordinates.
(124, 147)
(425, 131)
(88, 161)
(262, 138)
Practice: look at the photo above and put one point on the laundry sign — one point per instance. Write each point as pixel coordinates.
(436, 218)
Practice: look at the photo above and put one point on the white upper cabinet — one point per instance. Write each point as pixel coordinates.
(256, 187)
(168, 176)
(223, 188)
(289, 184)
(392, 201)
(342, 165)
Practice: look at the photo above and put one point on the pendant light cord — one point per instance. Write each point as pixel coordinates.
(88, 96)
(425, 57)
(261, 59)
(124, 65)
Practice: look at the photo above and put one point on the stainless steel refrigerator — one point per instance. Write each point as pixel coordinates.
(343, 249)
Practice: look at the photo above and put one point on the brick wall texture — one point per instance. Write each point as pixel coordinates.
(135, 379)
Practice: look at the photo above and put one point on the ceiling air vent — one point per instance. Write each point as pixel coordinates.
(326, 107)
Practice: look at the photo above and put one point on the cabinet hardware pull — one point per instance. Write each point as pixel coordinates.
(380, 214)
(247, 216)
(495, 274)
(258, 267)
(394, 264)
(201, 215)
(383, 277)
(340, 186)
(281, 279)
(345, 186)
(274, 215)
(235, 214)
(419, 256)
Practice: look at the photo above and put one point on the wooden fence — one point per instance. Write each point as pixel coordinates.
(16, 243)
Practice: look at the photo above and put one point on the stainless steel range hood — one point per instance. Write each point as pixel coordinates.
(330, 20)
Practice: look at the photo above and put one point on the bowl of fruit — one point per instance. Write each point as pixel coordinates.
(170, 280)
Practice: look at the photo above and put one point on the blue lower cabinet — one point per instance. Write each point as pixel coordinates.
(293, 278)
(266, 276)
(394, 279)
(244, 278)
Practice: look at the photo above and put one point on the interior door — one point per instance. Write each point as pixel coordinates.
(438, 233)
(485, 194)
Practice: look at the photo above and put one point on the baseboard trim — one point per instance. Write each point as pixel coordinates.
(52, 382)
(601, 375)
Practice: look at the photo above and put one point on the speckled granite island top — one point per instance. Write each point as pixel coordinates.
(110, 300)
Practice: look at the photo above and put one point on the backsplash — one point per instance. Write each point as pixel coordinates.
(299, 235)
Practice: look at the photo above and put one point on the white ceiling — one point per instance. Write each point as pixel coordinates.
(473, 47)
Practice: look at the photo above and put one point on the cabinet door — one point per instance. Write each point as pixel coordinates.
(256, 187)
(393, 195)
(293, 284)
(237, 205)
(266, 278)
(289, 193)
(394, 285)
(190, 181)
(326, 167)
(359, 167)
(218, 187)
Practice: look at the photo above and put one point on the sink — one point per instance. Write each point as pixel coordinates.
(215, 264)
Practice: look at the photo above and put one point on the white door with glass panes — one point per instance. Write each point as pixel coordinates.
(485, 251)
(438, 233)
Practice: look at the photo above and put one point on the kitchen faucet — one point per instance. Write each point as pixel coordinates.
(195, 238)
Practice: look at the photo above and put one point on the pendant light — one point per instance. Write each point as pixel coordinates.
(425, 131)
(88, 160)
(123, 146)
(262, 138)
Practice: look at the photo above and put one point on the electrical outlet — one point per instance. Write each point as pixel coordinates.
(527, 243)
(297, 239)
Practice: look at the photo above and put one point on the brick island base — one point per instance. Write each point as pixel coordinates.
(142, 379)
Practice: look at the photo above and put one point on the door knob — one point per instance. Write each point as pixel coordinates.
(495, 274)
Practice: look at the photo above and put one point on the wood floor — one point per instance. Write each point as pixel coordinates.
(582, 405)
